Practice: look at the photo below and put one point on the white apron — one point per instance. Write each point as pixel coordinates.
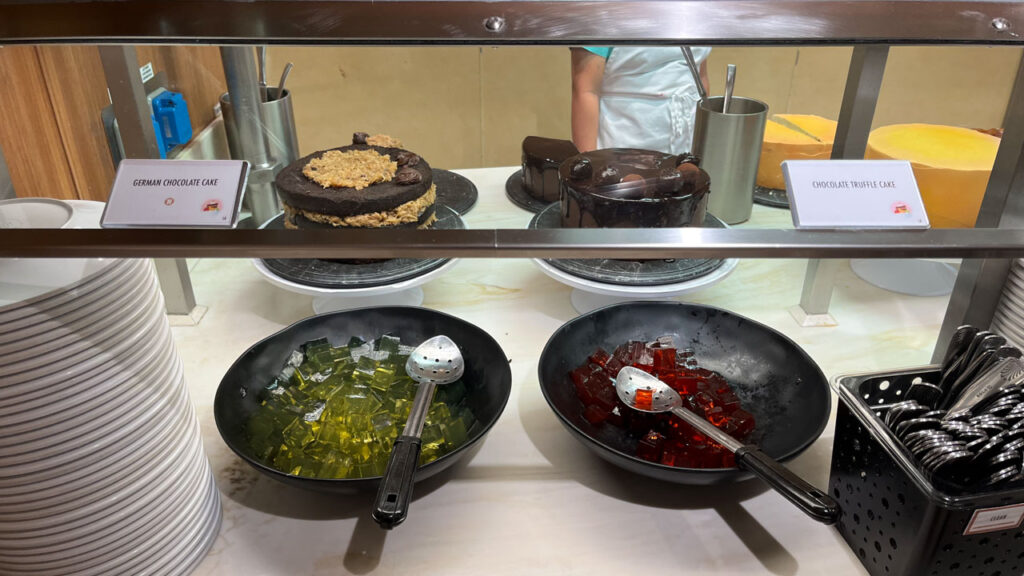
(648, 99)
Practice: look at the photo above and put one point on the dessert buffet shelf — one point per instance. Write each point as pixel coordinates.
(534, 22)
(511, 243)
(532, 499)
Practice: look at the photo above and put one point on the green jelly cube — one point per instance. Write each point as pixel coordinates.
(366, 404)
(298, 434)
(335, 465)
(438, 413)
(382, 378)
(312, 347)
(453, 393)
(295, 358)
(402, 408)
(355, 342)
(388, 343)
(261, 426)
(381, 420)
(283, 459)
(366, 364)
(455, 433)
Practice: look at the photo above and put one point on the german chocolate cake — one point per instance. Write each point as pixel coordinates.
(630, 188)
(541, 158)
(373, 183)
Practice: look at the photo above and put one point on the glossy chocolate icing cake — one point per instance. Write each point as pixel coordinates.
(541, 158)
(630, 188)
(373, 183)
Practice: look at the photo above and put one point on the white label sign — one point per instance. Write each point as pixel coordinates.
(995, 519)
(176, 193)
(853, 194)
(146, 72)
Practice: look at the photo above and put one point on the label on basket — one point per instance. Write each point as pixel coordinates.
(176, 193)
(853, 194)
(995, 519)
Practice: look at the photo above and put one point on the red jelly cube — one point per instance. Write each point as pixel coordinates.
(729, 402)
(682, 383)
(664, 360)
(622, 355)
(644, 399)
(728, 460)
(640, 356)
(613, 366)
(600, 357)
(605, 396)
(615, 418)
(739, 424)
(716, 416)
(595, 414)
(650, 446)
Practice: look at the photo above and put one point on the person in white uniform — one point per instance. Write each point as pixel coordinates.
(634, 98)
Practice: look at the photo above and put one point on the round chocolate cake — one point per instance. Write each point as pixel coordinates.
(373, 183)
(630, 188)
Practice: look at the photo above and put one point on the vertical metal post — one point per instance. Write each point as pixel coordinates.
(980, 282)
(243, 89)
(863, 82)
(128, 96)
(6, 187)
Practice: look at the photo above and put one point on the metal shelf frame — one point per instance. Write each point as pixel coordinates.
(503, 22)
(870, 25)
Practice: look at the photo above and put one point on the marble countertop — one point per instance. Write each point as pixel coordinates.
(532, 500)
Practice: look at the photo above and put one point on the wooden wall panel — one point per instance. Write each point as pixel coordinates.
(29, 134)
(77, 89)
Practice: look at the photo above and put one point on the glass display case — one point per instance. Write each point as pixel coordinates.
(530, 498)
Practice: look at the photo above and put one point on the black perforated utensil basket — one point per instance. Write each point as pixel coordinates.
(892, 517)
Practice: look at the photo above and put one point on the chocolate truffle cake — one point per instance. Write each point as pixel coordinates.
(629, 188)
(541, 157)
(373, 183)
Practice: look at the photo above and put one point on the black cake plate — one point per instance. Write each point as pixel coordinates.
(771, 197)
(337, 275)
(455, 191)
(516, 192)
(629, 272)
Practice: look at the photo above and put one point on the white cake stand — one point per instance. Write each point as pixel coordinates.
(403, 293)
(589, 295)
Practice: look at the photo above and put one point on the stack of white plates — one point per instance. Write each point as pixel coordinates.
(1008, 320)
(102, 470)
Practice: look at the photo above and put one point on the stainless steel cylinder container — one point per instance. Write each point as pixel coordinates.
(278, 127)
(729, 146)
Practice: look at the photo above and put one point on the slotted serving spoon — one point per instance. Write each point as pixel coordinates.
(433, 363)
(656, 396)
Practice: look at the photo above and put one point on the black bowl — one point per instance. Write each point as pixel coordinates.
(775, 380)
(488, 379)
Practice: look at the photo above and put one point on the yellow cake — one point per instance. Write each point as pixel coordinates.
(784, 143)
(951, 165)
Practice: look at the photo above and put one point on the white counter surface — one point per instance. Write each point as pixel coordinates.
(533, 500)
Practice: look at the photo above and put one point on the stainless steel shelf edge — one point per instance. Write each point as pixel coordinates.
(534, 22)
(581, 243)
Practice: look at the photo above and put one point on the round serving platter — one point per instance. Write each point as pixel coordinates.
(341, 275)
(630, 273)
(455, 191)
(771, 197)
(515, 190)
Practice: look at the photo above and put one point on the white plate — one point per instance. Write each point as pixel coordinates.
(1007, 328)
(170, 458)
(35, 213)
(29, 536)
(35, 381)
(70, 301)
(45, 338)
(111, 452)
(142, 548)
(59, 490)
(1011, 309)
(74, 405)
(104, 377)
(117, 523)
(125, 281)
(14, 466)
(63, 439)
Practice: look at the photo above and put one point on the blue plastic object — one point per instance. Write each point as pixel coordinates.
(171, 121)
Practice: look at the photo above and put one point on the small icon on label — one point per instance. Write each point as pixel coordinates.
(901, 208)
(211, 206)
(168, 201)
